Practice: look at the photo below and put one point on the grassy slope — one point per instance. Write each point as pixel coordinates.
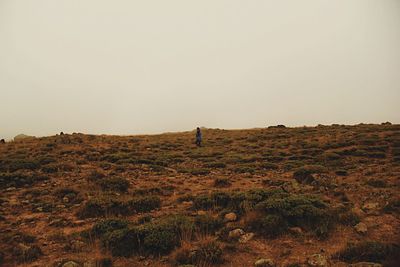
(171, 166)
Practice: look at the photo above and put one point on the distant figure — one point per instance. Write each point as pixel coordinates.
(62, 133)
(198, 137)
(2, 141)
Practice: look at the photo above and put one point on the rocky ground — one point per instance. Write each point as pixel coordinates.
(307, 196)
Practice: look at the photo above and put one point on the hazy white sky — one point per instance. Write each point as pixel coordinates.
(126, 67)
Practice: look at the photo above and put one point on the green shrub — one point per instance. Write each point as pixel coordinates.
(105, 226)
(18, 179)
(20, 164)
(50, 168)
(207, 224)
(208, 252)
(269, 166)
(144, 204)
(95, 175)
(393, 206)
(347, 217)
(92, 209)
(341, 172)
(70, 193)
(221, 182)
(268, 225)
(376, 182)
(304, 211)
(216, 165)
(114, 184)
(368, 251)
(156, 238)
(100, 207)
(160, 241)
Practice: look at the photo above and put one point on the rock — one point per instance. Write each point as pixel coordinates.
(296, 230)
(230, 217)
(71, 264)
(187, 203)
(264, 263)
(317, 260)
(361, 228)
(201, 212)
(370, 207)
(359, 212)
(235, 234)
(65, 199)
(341, 264)
(246, 238)
(22, 137)
(366, 264)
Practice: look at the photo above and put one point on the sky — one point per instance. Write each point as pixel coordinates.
(134, 67)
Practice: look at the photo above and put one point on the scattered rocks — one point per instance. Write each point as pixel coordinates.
(230, 217)
(317, 260)
(246, 237)
(361, 228)
(235, 234)
(264, 263)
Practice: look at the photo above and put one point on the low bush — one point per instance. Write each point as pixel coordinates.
(144, 204)
(376, 183)
(18, 179)
(207, 252)
(103, 206)
(216, 165)
(159, 237)
(69, 195)
(16, 164)
(368, 251)
(280, 211)
(103, 227)
(269, 166)
(114, 184)
(207, 224)
(221, 182)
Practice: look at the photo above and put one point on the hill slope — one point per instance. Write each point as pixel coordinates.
(298, 196)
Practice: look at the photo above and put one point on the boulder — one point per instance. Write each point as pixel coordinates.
(22, 137)
(296, 230)
(246, 237)
(201, 212)
(361, 228)
(230, 217)
(317, 260)
(370, 207)
(264, 263)
(235, 234)
(71, 264)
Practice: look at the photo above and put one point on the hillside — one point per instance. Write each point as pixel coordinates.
(307, 196)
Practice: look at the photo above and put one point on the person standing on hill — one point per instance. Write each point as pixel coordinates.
(198, 137)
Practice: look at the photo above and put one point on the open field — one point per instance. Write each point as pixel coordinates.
(312, 196)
